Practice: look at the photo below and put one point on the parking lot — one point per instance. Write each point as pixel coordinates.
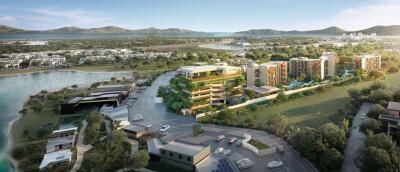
(181, 127)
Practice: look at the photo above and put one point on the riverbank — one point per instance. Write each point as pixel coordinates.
(17, 89)
(95, 68)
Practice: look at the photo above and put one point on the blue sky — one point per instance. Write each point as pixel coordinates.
(200, 15)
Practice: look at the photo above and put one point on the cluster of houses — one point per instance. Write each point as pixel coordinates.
(40, 59)
(58, 58)
(214, 85)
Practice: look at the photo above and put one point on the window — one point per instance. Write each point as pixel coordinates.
(170, 154)
(189, 159)
(180, 156)
(163, 152)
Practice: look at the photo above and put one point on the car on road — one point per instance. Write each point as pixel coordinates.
(219, 138)
(164, 128)
(363, 116)
(238, 142)
(280, 148)
(232, 140)
(275, 164)
(244, 163)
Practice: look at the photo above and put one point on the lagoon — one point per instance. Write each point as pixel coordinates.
(14, 90)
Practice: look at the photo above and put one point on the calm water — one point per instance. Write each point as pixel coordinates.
(14, 90)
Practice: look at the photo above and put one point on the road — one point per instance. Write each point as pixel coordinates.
(155, 112)
(81, 148)
(356, 141)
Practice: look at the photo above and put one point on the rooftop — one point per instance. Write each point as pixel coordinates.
(56, 157)
(394, 106)
(206, 68)
(65, 130)
(184, 148)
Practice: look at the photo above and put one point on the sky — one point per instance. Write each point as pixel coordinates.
(200, 15)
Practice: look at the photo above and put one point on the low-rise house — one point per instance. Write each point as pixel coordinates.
(59, 157)
(391, 120)
(61, 139)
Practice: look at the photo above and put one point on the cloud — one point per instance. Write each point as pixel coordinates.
(75, 17)
(8, 20)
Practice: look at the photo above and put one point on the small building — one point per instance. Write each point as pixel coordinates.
(59, 157)
(391, 120)
(184, 155)
(136, 130)
(61, 140)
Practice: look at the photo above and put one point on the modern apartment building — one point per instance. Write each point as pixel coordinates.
(206, 86)
(268, 74)
(329, 61)
(367, 62)
(305, 67)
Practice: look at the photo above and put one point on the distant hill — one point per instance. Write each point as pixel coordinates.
(393, 30)
(7, 29)
(383, 30)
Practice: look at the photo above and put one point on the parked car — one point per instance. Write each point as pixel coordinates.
(274, 164)
(232, 140)
(238, 143)
(244, 163)
(137, 117)
(164, 128)
(219, 138)
(219, 151)
(280, 148)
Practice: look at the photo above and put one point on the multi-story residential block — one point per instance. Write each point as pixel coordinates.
(268, 74)
(367, 62)
(329, 60)
(305, 67)
(202, 87)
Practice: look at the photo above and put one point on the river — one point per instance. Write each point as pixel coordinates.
(14, 90)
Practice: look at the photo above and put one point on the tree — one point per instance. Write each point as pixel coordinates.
(375, 159)
(93, 117)
(281, 97)
(197, 129)
(375, 111)
(354, 93)
(345, 125)
(370, 124)
(93, 133)
(333, 136)
(331, 160)
(382, 141)
(381, 96)
(396, 95)
(141, 159)
(378, 85)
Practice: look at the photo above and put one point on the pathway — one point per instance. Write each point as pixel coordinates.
(80, 148)
(356, 141)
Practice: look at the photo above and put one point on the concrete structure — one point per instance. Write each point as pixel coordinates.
(59, 157)
(329, 61)
(61, 139)
(207, 86)
(268, 74)
(305, 67)
(184, 155)
(367, 62)
(136, 130)
(391, 120)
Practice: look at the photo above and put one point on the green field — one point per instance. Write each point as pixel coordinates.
(318, 109)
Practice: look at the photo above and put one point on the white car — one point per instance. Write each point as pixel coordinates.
(232, 140)
(274, 164)
(280, 148)
(164, 128)
(219, 138)
(244, 163)
(363, 116)
(137, 117)
(219, 151)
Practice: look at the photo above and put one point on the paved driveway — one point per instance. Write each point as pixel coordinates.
(154, 112)
(356, 141)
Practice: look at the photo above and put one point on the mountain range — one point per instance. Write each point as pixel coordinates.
(393, 30)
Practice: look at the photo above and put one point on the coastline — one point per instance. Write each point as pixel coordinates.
(60, 69)
(9, 147)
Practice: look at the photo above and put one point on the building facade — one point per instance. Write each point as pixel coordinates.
(305, 67)
(267, 74)
(391, 120)
(367, 62)
(202, 87)
(329, 61)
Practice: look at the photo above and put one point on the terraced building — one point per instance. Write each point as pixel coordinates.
(200, 88)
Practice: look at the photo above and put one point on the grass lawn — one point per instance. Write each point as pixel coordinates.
(258, 144)
(318, 109)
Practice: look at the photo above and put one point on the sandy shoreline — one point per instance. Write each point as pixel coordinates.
(10, 145)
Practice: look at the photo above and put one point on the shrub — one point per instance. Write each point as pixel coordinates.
(375, 111)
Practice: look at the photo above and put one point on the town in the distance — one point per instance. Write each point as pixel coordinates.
(113, 99)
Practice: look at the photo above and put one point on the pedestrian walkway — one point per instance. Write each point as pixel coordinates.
(80, 148)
